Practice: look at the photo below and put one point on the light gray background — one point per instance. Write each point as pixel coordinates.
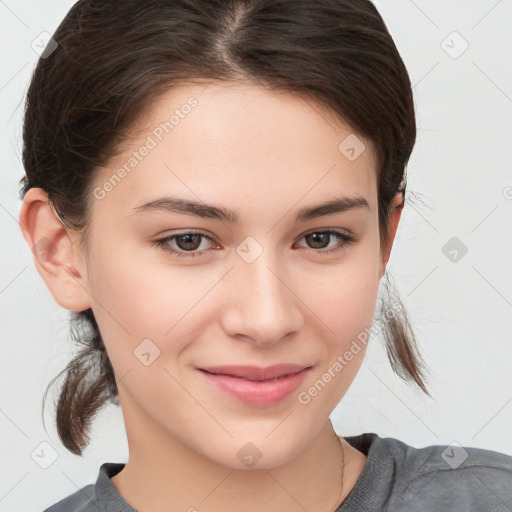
(461, 179)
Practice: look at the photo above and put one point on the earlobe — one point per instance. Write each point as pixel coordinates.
(54, 250)
(394, 219)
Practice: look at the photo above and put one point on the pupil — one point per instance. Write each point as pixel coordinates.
(317, 237)
(187, 239)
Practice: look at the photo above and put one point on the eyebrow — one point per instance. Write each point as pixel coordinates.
(203, 210)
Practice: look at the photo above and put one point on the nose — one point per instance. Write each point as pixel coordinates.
(263, 307)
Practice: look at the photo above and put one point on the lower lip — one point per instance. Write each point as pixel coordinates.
(258, 393)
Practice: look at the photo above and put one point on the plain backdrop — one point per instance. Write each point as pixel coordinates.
(460, 303)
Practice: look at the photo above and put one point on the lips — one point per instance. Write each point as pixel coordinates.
(255, 386)
(256, 373)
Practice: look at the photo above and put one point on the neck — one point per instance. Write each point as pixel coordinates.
(163, 473)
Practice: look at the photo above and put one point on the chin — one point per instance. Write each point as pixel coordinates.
(262, 451)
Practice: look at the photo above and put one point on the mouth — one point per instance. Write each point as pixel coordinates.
(255, 386)
(255, 373)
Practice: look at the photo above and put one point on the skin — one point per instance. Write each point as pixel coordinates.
(265, 154)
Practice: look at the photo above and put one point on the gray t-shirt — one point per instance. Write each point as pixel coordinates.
(396, 477)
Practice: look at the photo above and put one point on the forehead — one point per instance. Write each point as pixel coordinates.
(242, 142)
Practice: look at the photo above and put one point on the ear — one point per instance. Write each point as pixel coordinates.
(394, 218)
(55, 251)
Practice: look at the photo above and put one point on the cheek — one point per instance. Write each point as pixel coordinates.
(125, 301)
(346, 309)
(137, 292)
(344, 298)
(356, 307)
(345, 301)
(137, 297)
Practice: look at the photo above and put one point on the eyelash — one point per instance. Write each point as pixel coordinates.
(163, 242)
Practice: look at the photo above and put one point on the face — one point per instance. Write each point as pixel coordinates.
(252, 283)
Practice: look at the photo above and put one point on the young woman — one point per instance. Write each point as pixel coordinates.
(213, 188)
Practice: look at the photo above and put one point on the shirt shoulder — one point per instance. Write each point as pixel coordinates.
(451, 477)
(97, 497)
(83, 500)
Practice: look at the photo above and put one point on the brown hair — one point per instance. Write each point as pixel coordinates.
(112, 58)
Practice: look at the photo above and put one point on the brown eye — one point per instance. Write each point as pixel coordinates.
(187, 244)
(320, 240)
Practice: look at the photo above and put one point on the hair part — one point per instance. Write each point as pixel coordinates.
(113, 59)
